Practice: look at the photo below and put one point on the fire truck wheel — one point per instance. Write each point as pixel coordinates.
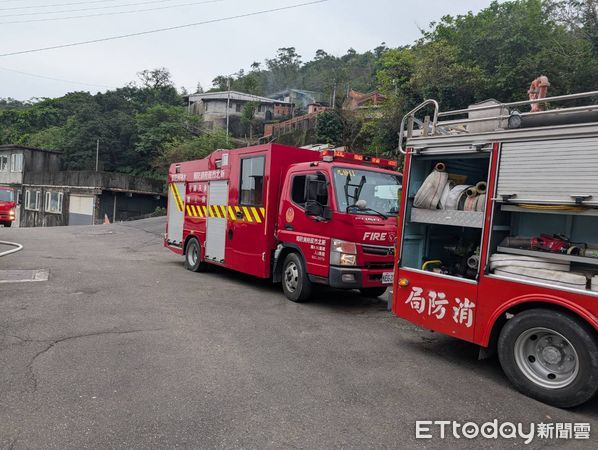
(193, 260)
(7, 224)
(295, 283)
(550, 356)
(372, 292)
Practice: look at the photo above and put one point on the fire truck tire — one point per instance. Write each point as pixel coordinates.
(295, 283)
(7, 224)
(372, 292)
(550, 356)
(193, 260)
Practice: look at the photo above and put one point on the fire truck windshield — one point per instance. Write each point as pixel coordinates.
(376, 192)
(6, 195)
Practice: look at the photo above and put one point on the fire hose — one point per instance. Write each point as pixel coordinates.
(429, 194)
(18, 248)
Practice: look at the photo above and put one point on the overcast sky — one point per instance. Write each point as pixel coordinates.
(195, 54)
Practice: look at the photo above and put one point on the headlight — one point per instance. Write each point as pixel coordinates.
(343, 253)
(11, 212)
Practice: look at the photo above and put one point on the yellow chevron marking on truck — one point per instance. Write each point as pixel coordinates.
(247, 214)
(250, 214)
(177, 197)
(256, 215)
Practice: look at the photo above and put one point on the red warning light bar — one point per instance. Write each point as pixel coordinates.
(330, 155)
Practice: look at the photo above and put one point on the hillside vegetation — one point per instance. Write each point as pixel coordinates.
(458, 61)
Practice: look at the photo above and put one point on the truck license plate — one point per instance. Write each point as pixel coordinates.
(387, 277)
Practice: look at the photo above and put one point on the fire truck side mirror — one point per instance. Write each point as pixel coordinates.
(313, 208)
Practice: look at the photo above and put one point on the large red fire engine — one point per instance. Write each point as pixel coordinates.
(297, 216)
(8, 205)
(497, 240)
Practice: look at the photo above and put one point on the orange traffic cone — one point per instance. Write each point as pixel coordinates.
(106, 221)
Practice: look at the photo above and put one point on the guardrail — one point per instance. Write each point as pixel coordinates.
(18, 248)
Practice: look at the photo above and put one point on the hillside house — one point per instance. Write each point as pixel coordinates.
(298, 97)
(360, 101)
(214, 106)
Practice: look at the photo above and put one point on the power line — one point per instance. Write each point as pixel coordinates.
(86, 9)
(111, 13)
(6, 69)
(159, 30)
(55, 4)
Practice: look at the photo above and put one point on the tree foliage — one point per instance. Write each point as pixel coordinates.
(459, 60)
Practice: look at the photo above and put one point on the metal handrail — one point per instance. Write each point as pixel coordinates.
(500, 116)
(519, 103)
(411, 113)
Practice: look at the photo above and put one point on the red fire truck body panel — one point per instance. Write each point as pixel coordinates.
(259, 215)
(469, 309)
(7, 205)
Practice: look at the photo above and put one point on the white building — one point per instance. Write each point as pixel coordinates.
(213, 106)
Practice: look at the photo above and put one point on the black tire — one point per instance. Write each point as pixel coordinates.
(193, 260)
(295, 283)
(545, 341)
(7, 224)
(372, 292)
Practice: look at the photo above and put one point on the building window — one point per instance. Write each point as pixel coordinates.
(16, 162)
(32, 200)
(252, 181)
(3, 163)
(238, 108)
(54, 202)
(205, 106)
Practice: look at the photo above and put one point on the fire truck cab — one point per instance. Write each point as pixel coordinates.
(294, 215)
(497, 238)
(8, 205)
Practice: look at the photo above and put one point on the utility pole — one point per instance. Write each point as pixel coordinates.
(97, 154)
(334, 96)
(227, 107)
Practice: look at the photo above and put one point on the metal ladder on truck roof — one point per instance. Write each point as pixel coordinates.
(512, 118)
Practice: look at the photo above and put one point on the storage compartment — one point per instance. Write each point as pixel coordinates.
(542, 237)
(555, 171)
(443, 236)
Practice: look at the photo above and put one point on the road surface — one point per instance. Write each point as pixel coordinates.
(123, 348)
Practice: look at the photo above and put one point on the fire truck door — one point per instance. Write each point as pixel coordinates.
(176, 212)
(216, 226)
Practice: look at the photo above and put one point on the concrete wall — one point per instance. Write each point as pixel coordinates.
(99, 180)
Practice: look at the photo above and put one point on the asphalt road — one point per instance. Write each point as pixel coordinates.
(123, 348)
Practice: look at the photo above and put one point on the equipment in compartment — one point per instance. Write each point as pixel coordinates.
(441, 190)
(559, 278)
(429, 194)
(501, 260)
(550, 243)
(459, 260)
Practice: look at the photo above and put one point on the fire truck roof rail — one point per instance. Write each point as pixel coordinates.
(432, 127)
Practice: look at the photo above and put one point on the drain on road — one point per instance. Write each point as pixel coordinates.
(23, 276)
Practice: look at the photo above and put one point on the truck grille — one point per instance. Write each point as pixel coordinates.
(375, 250)
(379, 265)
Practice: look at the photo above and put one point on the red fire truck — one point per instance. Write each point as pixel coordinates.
(294, 215)
(497, 242)
(7, 205)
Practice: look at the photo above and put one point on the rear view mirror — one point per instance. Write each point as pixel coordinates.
(313, 208)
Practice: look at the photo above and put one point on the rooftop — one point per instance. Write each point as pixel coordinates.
(234, 95)
(25, 147)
